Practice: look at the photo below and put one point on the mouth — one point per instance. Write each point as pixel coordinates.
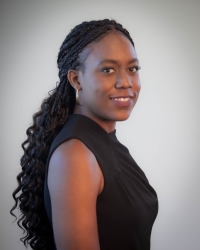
(122, 100)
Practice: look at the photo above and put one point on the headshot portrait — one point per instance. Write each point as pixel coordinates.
(100, 125)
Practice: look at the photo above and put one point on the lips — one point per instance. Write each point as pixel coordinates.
(122, 101)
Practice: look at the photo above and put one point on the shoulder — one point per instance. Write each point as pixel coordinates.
(72, 151)
(74, 182)
(72, 159)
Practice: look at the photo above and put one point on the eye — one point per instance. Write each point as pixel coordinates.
(108, 70)
(135, 69)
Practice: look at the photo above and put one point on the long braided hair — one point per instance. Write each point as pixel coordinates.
(47, 123)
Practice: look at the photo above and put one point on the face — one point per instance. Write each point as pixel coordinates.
(110, 83)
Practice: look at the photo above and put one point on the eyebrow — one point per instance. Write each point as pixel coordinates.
(116, 62)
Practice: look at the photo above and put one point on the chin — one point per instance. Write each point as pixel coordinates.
(122, 116)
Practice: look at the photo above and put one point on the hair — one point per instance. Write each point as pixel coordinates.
(47, 123)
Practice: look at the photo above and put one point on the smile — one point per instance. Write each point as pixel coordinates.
(122, 99)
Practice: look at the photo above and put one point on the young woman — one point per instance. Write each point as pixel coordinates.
(80, 187)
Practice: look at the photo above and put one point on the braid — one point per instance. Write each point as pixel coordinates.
(47, 123)
(80, 37)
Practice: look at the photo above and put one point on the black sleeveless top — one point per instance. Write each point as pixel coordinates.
(127, 206)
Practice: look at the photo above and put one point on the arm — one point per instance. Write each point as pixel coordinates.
(74, 182)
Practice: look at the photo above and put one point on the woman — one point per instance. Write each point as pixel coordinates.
(95, 195)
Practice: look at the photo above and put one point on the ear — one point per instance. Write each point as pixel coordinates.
(72, 76)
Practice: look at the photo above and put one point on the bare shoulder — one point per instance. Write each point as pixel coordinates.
(72, 150)
(72, 156)
(74, 181)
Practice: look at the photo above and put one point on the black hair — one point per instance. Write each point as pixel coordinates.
(47, 123)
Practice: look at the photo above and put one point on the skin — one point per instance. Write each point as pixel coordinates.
(96, 85)
(75, 179)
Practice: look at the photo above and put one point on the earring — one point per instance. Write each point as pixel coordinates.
(77, 97)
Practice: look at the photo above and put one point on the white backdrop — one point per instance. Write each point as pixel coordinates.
(162, 133)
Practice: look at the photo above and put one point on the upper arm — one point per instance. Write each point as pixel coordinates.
(74, 181)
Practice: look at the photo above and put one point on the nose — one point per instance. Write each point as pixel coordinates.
(123, 80)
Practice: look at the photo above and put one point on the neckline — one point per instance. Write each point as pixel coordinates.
(112, 133)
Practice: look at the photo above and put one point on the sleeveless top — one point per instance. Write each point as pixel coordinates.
(128, 205)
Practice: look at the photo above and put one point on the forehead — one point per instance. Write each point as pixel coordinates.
(112, 46)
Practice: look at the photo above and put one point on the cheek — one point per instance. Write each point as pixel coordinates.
(137, 84)
(100, 87)
(100, 95)
(97, 88)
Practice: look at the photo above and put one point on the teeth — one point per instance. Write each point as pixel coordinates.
(121, 99)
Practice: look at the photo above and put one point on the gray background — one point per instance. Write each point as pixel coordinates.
(163, 131)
